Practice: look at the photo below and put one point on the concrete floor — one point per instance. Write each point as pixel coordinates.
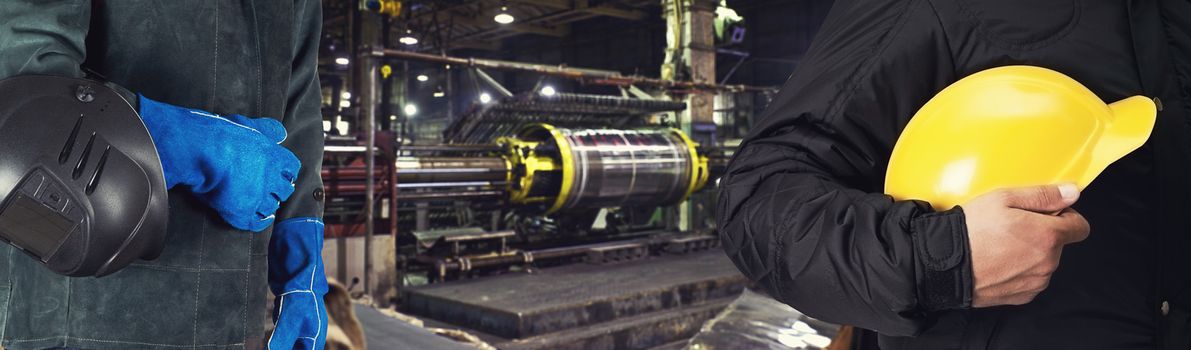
(384, 333)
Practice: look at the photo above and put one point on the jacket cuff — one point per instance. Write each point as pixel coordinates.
(942, 260)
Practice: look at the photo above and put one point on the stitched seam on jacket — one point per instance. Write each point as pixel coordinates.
(247, 287)
(259, 108)
(198, 281)
(69, 292)
(787, 223)
(775, 270)
(215, 62)
(979, 28)
(8, 303)
(883, 43)
(184, 269)
(946, 37)
(747, 238)
(244, 306)
(772, 271)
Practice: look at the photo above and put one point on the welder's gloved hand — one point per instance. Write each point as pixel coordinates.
(297, 278)
(234, 164)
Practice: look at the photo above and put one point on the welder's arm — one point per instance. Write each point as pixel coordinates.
(43, 37)
(244, 184)
(296, 274)
(801, 210)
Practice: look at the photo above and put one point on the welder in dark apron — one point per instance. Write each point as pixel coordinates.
(229, 92)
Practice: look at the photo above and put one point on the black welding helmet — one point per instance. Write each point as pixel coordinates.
(81, 186)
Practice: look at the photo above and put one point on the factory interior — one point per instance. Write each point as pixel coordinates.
(595, 174)
(539, 174)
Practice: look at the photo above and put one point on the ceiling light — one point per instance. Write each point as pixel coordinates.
(411, 109)
(408, 38)
(504, 17)
(346, 95)
(342, 61)
(438, 92)
(345, 104)
(423, 77)
(547, 91)
(485, 97)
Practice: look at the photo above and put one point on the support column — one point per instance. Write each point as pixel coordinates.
(690, 55)
(380, 275)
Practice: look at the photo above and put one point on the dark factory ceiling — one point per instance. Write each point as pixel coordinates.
(469, 24)
(627, 36)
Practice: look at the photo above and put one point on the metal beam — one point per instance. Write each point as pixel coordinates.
(590, 76)
(612, 11)
(492, 83)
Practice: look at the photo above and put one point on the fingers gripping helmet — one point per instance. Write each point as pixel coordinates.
(81, 186)
(1009, 127)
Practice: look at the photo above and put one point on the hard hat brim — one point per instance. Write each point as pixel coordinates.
(1133, 121)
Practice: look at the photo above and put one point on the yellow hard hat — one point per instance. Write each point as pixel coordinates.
(1012, 126)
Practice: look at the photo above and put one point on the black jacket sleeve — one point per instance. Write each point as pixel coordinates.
(801, 210)
(303, 114)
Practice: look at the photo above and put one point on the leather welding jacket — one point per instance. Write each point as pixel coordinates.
(208, 289)
(802, 214)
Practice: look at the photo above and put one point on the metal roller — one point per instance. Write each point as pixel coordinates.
(451, 169)
(618, 167)
(571, 169)
(431, 169)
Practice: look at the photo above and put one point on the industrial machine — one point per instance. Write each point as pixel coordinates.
(529, 181)
(546, 169)
(545, 220)
(540, 220)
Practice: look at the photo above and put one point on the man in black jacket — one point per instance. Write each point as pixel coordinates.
(801, 211)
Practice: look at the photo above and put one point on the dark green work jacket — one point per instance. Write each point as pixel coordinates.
(208, 289)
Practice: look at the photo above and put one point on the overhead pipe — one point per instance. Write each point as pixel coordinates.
(590, 76)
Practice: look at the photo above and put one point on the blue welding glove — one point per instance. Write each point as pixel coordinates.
(234, 164)
(297, 278)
